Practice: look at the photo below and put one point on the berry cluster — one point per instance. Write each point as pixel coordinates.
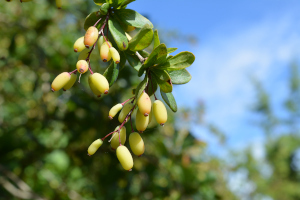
(117, 46)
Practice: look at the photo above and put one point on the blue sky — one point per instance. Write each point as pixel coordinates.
(238, 39)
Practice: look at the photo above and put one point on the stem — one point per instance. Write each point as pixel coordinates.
(106, 40)
(119, 138)
(97, 22)
(141, 58)
(126, 101)
(73, 72)
(107, 135)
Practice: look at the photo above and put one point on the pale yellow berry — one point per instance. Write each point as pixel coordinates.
(104, 52)
(144, 104)
(60, 81)
(141, 121)
(114, 110)
(82, 66)
(160, 112)
(136, 143)
(125, 157)
(79, 44)
(101, 40)
(100, 82)
(94, 147)
(90, 36)
(71, 82)
(114, 54)
(126, 109)
(93, 88)
(114, 143)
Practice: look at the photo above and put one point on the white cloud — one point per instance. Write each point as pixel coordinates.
(223, 65)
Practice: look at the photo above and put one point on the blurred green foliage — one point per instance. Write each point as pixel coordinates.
(44, 136)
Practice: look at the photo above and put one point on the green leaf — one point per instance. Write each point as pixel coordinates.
(171, 50)
(132, 18)
(99, 2)
(126, 2)
(144, 53)
(92, 18)
(152, 86)
(111, 73)
(156, 39)
(170, 100)
(117, 33)
(158, 55)
(163, 79)
(133, 61)
(180, 61)
(141, 87)
(142, 39)
(122, 59)
(180, 76)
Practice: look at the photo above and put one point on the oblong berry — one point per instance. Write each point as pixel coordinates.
(104, 52)
(114, 110)
(60, 81)
(93, 88)
(114, 143)
(100, 82)
(136, 143)
(82, 66)
(144, 104)
(71, 82)
(126, 109)
(100, 41)
(114, 54)
(124, 157)
(79, 44)
(160, 112)
(94, 147)
(141, 121)
(90, 36)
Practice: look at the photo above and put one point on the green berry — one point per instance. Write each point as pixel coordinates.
(71, 82)
(94, 146)
(126, 109)
(114, 143)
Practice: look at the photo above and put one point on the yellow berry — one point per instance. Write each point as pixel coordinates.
(104, 52)
(94, 146)
(60, 81)
(83, 54)
(100, 82)
(124, 157)
(141, 121)
(114, 110)
(58, 3)
(82, 66)
(101, 40)
(93, 88)
(136, 143)
(144, 104)
(114, 54)
(160, 112)
(114, 143)
(79, 44)
(126, 109)
(71, 82)
(90, 36)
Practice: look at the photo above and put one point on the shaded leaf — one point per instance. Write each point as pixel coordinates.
(163, 80)
(144, 53)
(142, 39)
(104, 8)
(180, 76)
(141, 87)
(156, 39)
(133, 61)
(171, 50)
(180, 61)
(111, 73)
(99, 2)
(159, 54)
(122, 59)
(152, 86)
(132, 18)
(92, 18)
(118, 33)
(170, 100)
